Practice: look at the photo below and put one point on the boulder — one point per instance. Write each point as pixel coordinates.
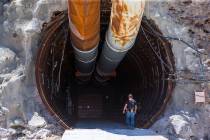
(180, 126)
(17, 124)
(6, 133)
(37, 121)
(7, 58)
(43, 134)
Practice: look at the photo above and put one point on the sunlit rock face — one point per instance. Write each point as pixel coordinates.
(172, 17)
(20, 26)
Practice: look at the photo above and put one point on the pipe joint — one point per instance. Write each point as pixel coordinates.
(85, 60)
(109, 59)
(86, 56)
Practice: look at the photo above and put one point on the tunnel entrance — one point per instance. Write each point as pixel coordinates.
(145, 72)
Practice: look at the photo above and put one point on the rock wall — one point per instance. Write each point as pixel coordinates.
(183, 118)
(20, 25)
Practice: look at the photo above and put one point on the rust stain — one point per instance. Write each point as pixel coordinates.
(84, 17)
(125, 20)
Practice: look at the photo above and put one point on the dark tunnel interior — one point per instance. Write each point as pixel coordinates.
(144, 72)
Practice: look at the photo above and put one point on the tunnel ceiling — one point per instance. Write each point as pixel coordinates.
(144, 72)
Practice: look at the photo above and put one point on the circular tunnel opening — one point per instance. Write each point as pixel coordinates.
(144, 72)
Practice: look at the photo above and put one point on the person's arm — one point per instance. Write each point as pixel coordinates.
(125, 109)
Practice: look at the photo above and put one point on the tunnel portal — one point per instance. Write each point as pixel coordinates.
(145, 72)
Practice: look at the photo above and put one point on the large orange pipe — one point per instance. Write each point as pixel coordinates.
(84, 19)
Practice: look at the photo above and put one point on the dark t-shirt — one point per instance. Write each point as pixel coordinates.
(131, 105)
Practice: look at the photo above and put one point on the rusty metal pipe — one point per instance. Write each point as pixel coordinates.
(125, 21)
(84, 20)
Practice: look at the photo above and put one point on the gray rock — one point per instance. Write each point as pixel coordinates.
(5, 1)
(161, 126)
(37, 121)
(207, 62)
(3, 114)
(28, 134)
(181, 127)
(7, 58)
(18, 123)
(41, 11)
(191, 59)
(5, 133)
(42, 134)
(1, 8)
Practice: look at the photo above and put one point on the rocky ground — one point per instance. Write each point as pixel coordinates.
(36, 128)
(20, 26)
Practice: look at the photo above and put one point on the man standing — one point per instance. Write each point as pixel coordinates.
(130, 109)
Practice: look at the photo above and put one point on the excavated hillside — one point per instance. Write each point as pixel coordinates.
(183, 23)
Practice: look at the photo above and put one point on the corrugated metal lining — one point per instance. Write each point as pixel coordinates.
(146, 79)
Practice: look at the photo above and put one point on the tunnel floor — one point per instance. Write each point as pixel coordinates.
(145, 72)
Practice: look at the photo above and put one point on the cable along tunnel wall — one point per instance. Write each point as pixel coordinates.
(144, 72)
